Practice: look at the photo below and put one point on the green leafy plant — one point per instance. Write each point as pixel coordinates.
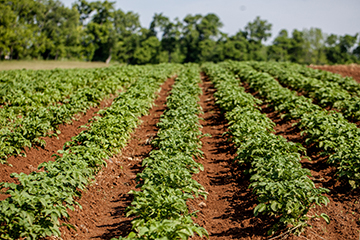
(166, 183)
(42, 197)
(329, 130)
(283, 187)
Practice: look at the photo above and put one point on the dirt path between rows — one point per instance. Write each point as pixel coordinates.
(228, 211)
(35, 156)
(105, 201)
(344, 207)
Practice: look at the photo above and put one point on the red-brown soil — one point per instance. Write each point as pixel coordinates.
(352, 70)
(344, 207)
(104, 202)
(228, 211)
(35, 156)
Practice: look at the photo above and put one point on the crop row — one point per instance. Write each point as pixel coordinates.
(39, 114)
(347, 83)
(166, 182)
(23, 92)
(44, 196)
(33, 88)
(328, 130)
(282, 185)
(325, 92)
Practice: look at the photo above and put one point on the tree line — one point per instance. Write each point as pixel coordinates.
(97, 31)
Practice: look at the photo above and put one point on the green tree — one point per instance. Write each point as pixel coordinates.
(356, 51)
(314, 46)
(98, 19)
(278, 51)
(148, 51)
(296, 51)
(190, 38)
(170, 35)
(258, 30)
(17, 28)
(127, 28)
(232, 48)
(200, 35)
(60, 29)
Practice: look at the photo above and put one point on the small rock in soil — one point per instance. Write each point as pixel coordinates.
(202, 204)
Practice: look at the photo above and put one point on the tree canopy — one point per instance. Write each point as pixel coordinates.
(97, 31)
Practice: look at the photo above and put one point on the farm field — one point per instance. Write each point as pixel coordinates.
(223, 141)
(352, 70)
(48, 64)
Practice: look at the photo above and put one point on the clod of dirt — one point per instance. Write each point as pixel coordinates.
(202, 204)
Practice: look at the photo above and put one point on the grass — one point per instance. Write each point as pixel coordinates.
(47, 64)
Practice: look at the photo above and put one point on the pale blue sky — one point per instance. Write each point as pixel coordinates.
(332, 16)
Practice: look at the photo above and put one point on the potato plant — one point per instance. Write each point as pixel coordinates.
(42, 197)
(346, 83)
(327, 93)
(329, 130)
(166, 183)
(38, 101)
(283, 187)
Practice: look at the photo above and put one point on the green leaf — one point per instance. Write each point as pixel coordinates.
(259, 208)
(274, 206)
(325, 217)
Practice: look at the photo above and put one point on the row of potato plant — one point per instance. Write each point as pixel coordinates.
(44, 196)
(33, 88)
(347, 83)
(166, 183)
(328, 130)
(283, 187)
(23, 124)
(326, 93)
(23, 92)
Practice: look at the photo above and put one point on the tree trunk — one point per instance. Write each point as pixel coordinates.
(169, 57)
(109, 58)
(11, 53)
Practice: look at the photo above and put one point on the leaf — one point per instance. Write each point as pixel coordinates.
(259, 208)
(325, 217)
(274, 206)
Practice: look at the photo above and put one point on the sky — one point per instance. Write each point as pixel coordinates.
(338, 17)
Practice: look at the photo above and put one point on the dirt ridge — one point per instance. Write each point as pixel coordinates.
(103, 215)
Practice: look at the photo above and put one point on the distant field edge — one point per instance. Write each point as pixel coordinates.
(48, 64)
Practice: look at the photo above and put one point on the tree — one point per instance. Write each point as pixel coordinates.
(314, 46)
(101, 36)
(148, 51)
(258, 31)
(356, 52)
(60, 29)
(190, 38)
(199, 37)
(296, 51)
(18, 28)
(127, 28)
(171, 33)
(281, 45)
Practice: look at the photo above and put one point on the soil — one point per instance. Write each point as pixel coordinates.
(344, 206)
(37, 155)
(352, 70)
(227, 213)
(103, 215)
